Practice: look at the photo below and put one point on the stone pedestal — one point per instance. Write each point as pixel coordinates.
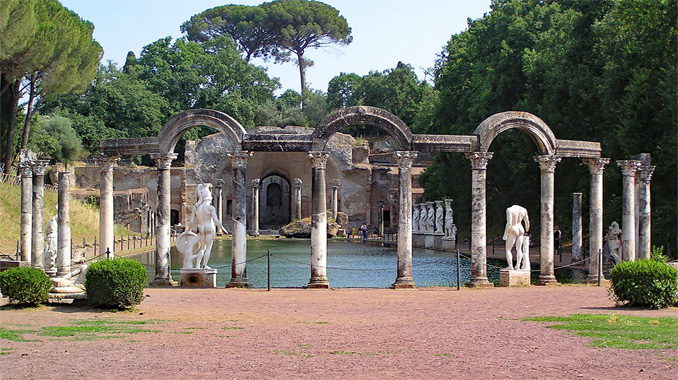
(429, 241)
(318, 222)
(198, 278)
(449, 245)
(418, 240)
(509, 277)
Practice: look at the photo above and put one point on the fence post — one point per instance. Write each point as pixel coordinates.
(269, 269)
(108, 253)
(600, 266)
(95, 246)
(458, 268)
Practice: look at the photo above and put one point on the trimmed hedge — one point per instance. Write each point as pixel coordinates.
(645, 282)
(117, 283)
(25, 285)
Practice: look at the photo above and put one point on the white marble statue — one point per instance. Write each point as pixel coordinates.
(415, 218)
(439, 218)
(450, 228)
(514, 235)
(204, 217)
(614, 242)
(422, 217)
(430, 217)
(51, 244)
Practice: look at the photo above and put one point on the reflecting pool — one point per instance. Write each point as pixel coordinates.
(348, 265)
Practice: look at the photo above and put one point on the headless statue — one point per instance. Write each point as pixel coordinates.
(50, 251)
(204, 217)
(613, 238)
(514, 235)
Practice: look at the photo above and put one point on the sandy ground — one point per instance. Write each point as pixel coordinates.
(347, 333)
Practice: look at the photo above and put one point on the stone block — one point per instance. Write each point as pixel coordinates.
(513, 277)
(438, 242)
(449, 245)
(198, 278)
(429, 241)
(418, 241)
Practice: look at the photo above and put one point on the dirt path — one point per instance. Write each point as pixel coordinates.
(348, 333)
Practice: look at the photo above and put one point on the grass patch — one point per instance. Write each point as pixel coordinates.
(304, 345)
(623, 331)
(314, 323)
(95, 329)
(341, 352)
(232, 328)
(288, 353)
(14, 335)
(444, 355)
(6, 351)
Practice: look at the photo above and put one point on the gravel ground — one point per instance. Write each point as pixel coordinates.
(346, 333)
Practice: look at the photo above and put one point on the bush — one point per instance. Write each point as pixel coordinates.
(117, 283)
(645, 282)
(25, 285)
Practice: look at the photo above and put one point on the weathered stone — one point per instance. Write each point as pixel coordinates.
(509, 277)
(479, 162)
(198, 278)
(547, 166)
(63, 259)
(628, 168)
(162, 233)
(302, 229)
(106, 210)
(576, 227)
(239, 241)
(596, 167)
(644, 212)
(38, 238)
(404, 276)
(26, 210)
(318, 222)
(255, 207)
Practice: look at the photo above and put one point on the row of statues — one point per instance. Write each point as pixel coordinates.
(431, 218)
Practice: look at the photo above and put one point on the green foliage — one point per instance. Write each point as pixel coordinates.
(623, 331)
(117, 283)
(55, 137)
(658, 254)
(644, 282)
(25, 285)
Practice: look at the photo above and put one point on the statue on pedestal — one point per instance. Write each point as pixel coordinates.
(51, 244)
(422, 217)
(439, 217)
(204, 217)
(430, 218)
(614, 244)
(514, 235)
(415, 218)
(450, 228)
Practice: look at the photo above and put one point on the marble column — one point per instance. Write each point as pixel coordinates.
(318, 221)
(239, 217)
(38, 238)
(297, 199)
(644, 210)
(106, 213)
(218, 202)
(547, 166)
(479, 162)
(628, 168)
(576, 227)
(63, 259)
(162, 230)
(381, 218)
(26, 210)
(335, 200)
(255, 207)
(596, 168)
(404, 277)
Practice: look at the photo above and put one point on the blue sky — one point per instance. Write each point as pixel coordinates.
(384, 32)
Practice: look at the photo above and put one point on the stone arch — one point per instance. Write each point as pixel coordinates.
(173, 130)
(363, 115)
(535, 127)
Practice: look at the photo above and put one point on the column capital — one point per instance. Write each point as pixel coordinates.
(547, 163)
(645, 173)
(297, 183)
(479, 160)
(106, 162)
(219, 183)
(335, 184)
(628, 167)
(26, 170)
(405, 158)
(38, 166)
(318, 159)
(596, 165)
(164, 161)
(239, 159)
(255, 183)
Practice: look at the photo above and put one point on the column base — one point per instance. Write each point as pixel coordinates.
(239, 282)
(403, 283)
(255, 234)
(480, 282)
(593, 280)
(163, 282)
(318, 283)
(51, 272)
(545, 280)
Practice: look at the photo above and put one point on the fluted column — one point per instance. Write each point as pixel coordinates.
(26, 210)
(239, 240)
(106, 212)
(335, 199)
(478, 219)
(628, 168)
(547, 166)
(255, 207)
(63, 259)
(404, 277)
(644, 209)
(38, 238)
(596, 167)
(318, 221)
(218, 202)
(576, 227)
(297, 199)
(162, 232)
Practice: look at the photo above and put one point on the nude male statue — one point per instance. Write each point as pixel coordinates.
(205, 216)
(514, 235)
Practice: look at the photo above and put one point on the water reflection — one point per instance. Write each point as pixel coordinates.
(348, 265)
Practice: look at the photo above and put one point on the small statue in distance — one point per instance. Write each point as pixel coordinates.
(51, 242)
(614, 245)
(514, 234)
(205, 216)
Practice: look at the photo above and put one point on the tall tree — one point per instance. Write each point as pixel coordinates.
(59, 57)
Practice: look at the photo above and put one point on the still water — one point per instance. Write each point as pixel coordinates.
(349, 265)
